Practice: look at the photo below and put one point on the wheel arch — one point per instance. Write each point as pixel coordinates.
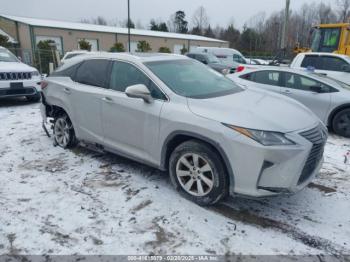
(176, 138)
(334, 112)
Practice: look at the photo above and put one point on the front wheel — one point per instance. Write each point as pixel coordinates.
(63, 132)
(341, 123)
(197, 172)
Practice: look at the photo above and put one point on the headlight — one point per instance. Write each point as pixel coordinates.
(225, 71)
(266, 138)
(35, 73)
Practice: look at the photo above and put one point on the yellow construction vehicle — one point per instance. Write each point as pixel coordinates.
(329, 38)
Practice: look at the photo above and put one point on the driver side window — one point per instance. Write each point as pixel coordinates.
(299, 82)
(124, 75)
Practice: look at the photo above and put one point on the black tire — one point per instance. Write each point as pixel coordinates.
(206, 153)
(34, 98)
(341, 123)
(59, 131)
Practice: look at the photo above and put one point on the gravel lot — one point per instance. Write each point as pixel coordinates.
(55, 201)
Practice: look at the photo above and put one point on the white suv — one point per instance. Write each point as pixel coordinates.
(18, 79)
(333, 65)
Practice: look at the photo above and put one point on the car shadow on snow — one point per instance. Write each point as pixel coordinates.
(16, 101)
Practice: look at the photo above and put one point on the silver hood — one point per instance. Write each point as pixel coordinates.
(255, 109)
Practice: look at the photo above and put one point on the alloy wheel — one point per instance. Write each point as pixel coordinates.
(62, 132)
(195, 174)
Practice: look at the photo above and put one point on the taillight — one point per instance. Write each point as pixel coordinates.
(44, 84)
(240, 69)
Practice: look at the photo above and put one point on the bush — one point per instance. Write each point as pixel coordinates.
(164, 49)
(184, 50)
(117, 47)
(143, 46)
(84, 45)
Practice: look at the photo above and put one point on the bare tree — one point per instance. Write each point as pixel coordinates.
(200, 19)
(344, 10)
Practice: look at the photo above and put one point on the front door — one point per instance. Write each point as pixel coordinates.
(301, 88)
(130, 125)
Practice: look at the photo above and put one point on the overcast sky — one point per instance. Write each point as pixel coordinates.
(219, 11)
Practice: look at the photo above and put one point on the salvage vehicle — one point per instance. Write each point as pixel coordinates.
(174, 113)
(213, 62)
(18, 79)
(328, 98)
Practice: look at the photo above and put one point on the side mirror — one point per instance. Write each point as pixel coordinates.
(204, 62)
(316, 89)
(19, 58)
(139, 91)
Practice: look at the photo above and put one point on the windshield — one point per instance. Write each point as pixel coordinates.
(7, 56)
(325, 39)
(192, 79)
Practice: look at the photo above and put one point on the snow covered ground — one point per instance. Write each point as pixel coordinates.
(55, 201)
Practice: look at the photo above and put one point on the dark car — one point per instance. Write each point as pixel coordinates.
(213, 62)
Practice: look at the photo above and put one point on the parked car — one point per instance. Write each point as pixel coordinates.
(328, 98)
(213, 62)
(174, 113)
(228, 56)
(333, 65)
(71, 54)
(18, 79)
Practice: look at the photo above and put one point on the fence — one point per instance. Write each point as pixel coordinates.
(40, 58)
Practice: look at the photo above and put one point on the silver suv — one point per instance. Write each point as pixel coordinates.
(174, 113)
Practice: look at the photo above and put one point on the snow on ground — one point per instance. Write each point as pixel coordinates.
(55, 201)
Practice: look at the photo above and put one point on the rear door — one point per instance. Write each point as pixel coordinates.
(91, 79)
(301, 89)
(130, 125)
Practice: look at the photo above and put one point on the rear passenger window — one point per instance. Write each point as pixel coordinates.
(312, 61)
(124, 75)
(93, 72)
(267, 78)
(68, 72)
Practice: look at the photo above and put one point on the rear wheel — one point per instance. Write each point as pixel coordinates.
(63, 132)
(197, 172)
(341, 123)
(34, 98)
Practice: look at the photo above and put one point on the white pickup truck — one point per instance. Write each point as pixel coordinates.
(18, 79)
(333, 65)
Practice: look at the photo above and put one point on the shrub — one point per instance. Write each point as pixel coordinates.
(117, 47)
(143, 46)
(164, 49)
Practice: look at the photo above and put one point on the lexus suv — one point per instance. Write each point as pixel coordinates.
(174, 113)
(18, 79)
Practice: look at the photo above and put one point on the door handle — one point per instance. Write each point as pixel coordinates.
(107, 99)
(287, 92)
(66, 90)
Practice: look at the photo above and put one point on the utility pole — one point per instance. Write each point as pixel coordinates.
(285, 27)
(129, 25)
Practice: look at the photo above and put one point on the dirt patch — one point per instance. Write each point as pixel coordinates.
(322, 188)
(52, 165)
(246, 217)
(140, 206)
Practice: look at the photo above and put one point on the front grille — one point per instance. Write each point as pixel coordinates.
(15, 76)
(318, 137)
